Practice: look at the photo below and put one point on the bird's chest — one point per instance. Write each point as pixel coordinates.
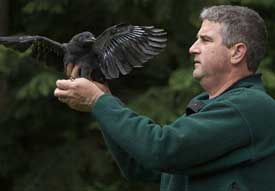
(77, 51)
(83, 56)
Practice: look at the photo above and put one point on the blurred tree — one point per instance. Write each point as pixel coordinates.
(46, 146)
(4, 16)
(4, 21)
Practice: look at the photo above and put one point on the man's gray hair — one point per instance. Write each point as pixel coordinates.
(240, 24)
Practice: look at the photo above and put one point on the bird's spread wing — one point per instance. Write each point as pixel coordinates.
(122, 47)
(43, 49)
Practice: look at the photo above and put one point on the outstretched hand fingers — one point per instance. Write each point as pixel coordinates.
(63, 90)
(63, 100)
(64, 84)
(62, 95)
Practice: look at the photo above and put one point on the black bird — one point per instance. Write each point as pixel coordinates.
(116, 51)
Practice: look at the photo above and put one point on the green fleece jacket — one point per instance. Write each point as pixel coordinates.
(222, 144)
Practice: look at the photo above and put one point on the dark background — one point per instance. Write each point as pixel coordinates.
(46, 146)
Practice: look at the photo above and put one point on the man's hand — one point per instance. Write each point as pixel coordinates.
(79, 93)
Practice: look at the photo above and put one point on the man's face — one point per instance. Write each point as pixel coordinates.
(211, 57)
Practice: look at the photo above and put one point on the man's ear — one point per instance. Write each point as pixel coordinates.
(238, 52)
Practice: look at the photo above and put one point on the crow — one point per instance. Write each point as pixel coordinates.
(115, 52)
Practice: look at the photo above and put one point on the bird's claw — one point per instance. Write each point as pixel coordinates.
(72, 78)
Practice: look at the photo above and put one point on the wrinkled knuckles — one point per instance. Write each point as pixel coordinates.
(74, 86)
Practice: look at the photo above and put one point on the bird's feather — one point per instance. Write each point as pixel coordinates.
(43, 49)
(123, 47)
(115, 52)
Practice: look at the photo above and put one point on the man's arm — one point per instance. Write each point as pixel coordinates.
(128, 166)
(193, 144)
(214, 139)
(81, 95)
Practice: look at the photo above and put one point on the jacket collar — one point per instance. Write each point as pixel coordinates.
(253, 81)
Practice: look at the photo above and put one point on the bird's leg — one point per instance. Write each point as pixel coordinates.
(90, 74)
(86, 71)
(65, 68)
(98, 76)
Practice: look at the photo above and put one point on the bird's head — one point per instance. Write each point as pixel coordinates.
(84, 39)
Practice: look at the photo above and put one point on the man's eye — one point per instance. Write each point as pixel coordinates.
(205, 39)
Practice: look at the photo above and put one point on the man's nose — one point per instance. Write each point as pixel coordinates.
(194, 49)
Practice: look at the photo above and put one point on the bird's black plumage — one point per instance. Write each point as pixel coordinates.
(116, 51)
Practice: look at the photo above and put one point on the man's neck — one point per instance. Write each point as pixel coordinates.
(214, 92)
(217, 87)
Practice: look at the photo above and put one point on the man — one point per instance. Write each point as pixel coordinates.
(226, 139)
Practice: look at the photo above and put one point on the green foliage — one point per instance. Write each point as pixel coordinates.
(40, 85)
(181, 80)
(102, 187)
(49, 6)
(46, 146)
(268, 75)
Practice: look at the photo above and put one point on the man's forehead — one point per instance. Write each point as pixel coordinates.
(209, 28)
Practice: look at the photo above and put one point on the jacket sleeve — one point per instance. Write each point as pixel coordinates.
(128, 166)
(192, 144)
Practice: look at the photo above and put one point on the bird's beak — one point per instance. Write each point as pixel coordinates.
(91, 39)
